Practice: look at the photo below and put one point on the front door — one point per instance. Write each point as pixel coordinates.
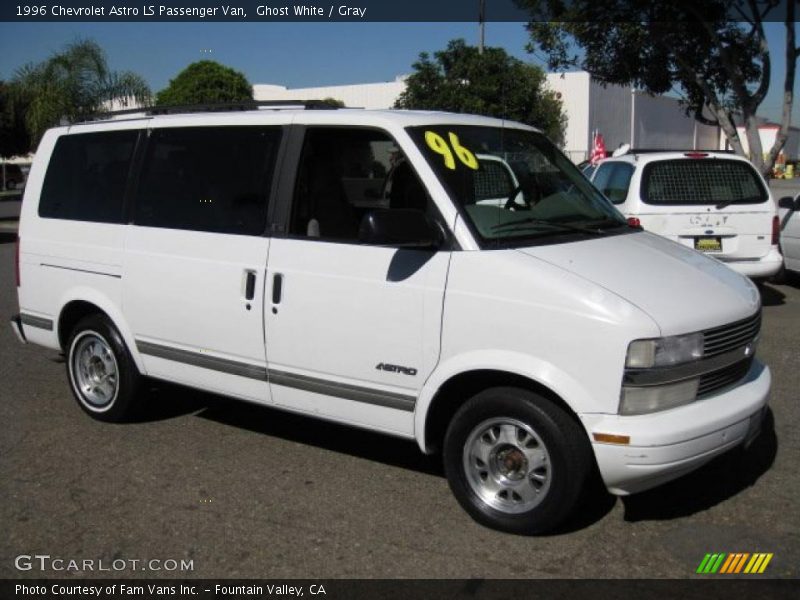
(352, 329)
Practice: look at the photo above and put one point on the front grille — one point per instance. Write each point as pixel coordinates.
(720, 340)
(722, 378)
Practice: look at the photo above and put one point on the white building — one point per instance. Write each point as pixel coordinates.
(624, 116)
(362, 95)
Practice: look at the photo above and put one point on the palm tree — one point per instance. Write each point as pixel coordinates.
(72, 85)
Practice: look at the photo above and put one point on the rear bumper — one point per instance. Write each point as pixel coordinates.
(16, 325)
(663, 446)
(766, 266)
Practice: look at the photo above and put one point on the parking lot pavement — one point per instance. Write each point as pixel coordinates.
(245, 491)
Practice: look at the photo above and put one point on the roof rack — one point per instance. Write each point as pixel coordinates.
(218, 107)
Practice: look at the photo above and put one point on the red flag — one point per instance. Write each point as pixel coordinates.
(598, 149)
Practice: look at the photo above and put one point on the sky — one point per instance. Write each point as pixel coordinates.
(292, 54)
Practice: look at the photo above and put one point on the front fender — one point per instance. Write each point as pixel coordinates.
(577, 397)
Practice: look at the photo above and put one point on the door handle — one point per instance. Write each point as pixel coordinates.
(250, 285)
(277, 288)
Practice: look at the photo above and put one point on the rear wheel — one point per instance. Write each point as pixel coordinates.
(515, 461)
(102, 374)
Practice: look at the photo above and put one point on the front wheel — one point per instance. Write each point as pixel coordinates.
(515, 461)
(102, 374)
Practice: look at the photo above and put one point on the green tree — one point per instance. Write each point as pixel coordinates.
(14, 138)
(713, 54)
(206, 82)
(72, 85)
(461, 79)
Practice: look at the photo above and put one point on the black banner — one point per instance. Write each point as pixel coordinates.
(360, 10)
(405, 589)
(261, 10)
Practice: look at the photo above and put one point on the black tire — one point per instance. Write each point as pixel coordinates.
(545, 432)
(95, 351)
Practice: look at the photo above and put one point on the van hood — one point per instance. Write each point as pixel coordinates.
(682, 290)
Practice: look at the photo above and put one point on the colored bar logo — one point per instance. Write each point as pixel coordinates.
(735, 563)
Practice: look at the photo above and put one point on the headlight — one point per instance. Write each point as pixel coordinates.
(642, 400)
(664, 352)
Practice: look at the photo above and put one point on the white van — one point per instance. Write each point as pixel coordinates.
(714, 202)
(788, 208)
(340, 264)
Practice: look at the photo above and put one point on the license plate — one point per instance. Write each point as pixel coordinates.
(708, 244)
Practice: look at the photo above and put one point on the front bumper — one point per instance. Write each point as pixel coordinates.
(766, 266)
(665, 445)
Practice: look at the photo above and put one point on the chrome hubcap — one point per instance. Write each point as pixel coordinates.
(94, 369)
(507, 465)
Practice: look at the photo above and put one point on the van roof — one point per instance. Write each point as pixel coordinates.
(298, 115)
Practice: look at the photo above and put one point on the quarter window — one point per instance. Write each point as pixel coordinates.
(614, 179)
(87, 176)
(214, 179)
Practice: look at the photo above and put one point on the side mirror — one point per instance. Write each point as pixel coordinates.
(404, 228)
(788, 203)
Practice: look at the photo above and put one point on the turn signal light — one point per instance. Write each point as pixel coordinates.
(634, 222)
(610, 438)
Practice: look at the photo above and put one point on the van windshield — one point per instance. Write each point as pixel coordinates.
(514, 187)
(701, 181)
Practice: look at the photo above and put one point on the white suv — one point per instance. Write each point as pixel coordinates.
(344, 264)
(714, 202)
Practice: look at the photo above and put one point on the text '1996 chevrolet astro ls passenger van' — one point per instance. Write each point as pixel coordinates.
(439, 277)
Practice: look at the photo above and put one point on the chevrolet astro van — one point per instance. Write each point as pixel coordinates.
(346, 265)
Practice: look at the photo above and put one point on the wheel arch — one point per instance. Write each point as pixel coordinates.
(448, 388)
(83, 302)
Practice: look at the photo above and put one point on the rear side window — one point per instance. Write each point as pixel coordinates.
(87, 176)
(701, 181)
(214, 179)
(613, 179)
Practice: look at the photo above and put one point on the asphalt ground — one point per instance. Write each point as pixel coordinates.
(246, 491)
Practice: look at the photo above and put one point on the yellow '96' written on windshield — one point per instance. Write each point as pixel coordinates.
(438, 144)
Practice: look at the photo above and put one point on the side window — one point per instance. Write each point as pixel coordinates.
(214, 179)
(613, 179)
(345, 173)
(87, 176)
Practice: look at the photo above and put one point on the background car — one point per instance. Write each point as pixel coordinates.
(713, 202)
(14, 177)
(789, 214)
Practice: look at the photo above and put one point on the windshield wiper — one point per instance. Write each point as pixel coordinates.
(561, 226)
(609, 223)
